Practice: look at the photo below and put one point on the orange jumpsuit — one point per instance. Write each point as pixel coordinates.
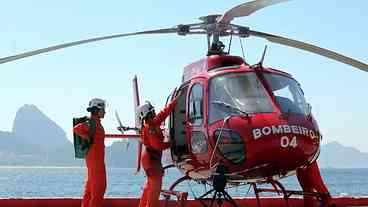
(152, 138)
(310, 180)
(95, 186)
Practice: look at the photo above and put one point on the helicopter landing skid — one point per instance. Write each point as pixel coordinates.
(279, 188)
(180, 196)
(219, 194)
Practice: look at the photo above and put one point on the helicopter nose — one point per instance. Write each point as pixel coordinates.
(286, 146)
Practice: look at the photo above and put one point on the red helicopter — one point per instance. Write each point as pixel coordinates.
(237, 123)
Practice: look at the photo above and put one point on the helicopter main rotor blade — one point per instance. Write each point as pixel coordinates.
(71, 44)
(118, 119)
(246, 9)
(311, 48)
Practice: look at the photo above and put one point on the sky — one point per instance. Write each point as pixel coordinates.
(62, 82)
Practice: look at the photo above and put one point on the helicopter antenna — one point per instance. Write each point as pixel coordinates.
(231, 39)
(242, 48)
(208, 42)
(263, 56)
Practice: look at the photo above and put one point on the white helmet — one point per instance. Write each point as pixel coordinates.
(96, 102)
(143, 110)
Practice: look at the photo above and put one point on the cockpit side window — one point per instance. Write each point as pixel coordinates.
(196, 104)
(288, 94)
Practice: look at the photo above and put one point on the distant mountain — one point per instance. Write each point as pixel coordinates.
(10, 143)
(34, 127)
(35, 140)
(335, 155)
(119, 155)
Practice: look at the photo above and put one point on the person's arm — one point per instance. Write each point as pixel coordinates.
(81, 130)
(160, 117)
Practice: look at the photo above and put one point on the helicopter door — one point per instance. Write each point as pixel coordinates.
(177, 127)
(197, 133)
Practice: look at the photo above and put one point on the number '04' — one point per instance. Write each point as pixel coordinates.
(288, 142)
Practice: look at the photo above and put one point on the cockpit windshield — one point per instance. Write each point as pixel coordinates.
(236, 94)
(288, 94)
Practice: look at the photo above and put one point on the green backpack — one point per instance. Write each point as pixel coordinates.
(81, 146)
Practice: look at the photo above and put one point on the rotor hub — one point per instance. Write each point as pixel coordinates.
(210, 19)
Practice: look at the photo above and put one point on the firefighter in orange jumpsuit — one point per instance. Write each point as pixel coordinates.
(153, 141)
(95, 185)
(310, 180)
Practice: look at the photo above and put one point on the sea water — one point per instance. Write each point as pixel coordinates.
(18, 182)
